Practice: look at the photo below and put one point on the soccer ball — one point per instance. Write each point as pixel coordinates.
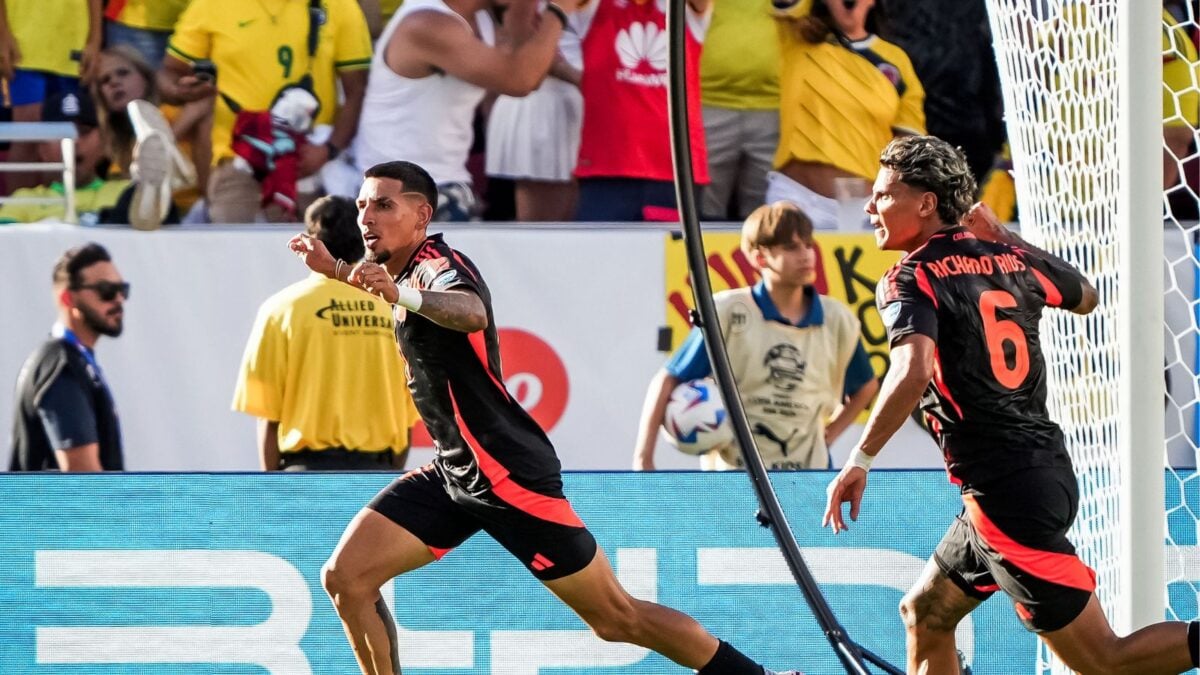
(696, 420)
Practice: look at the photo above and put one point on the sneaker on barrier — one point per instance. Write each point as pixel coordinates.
(151, 184)
(158, 168)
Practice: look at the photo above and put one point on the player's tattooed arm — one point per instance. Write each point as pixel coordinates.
(983, 223)
(456, 309)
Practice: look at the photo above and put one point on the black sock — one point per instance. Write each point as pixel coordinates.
(729, 661)
(1194, 642)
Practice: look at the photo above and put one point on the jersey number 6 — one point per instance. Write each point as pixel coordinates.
(999, 331)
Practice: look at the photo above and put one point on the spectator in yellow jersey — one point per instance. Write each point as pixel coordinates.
(321, 355)
(1181, 97)
(739, 92)
(844, 94)
(92, 192)
(45, 48)
(1181, 114)
(257, 50)
(144, 25)
(999, 190)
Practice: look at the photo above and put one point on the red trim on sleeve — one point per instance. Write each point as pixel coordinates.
(1053, 295)
(438, 553)
(463, 264)
(924, 285)
(552, 509)
(892, 292)
(1059, 568)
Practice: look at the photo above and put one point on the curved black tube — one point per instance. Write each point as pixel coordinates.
(770, 514)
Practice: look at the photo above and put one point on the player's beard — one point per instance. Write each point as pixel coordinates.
(379, 258)
(110, 324)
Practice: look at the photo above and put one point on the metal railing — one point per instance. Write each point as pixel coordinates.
(30, 132)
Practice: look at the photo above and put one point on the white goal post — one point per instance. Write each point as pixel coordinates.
(1084, 97)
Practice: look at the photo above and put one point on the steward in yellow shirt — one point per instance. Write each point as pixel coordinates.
(322, 370)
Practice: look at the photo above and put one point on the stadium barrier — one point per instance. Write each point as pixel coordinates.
(581, 306)
(220, 573)
(201, 573)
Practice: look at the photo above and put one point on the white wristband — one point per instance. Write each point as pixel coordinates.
(860, 459)
(408, 298)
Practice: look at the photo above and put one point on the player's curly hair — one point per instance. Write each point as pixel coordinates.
(931, 164)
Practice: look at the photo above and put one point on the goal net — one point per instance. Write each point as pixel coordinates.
(1060, 70)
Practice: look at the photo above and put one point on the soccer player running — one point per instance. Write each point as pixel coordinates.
(495, 469)
(962, 311)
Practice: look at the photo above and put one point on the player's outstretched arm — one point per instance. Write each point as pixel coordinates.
(456, 308)
(653, 411)
(906, 380)
(983, 223)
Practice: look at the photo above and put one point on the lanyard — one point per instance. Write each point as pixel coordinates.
(67, 335)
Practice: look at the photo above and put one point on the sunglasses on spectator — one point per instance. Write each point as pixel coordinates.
(107, 290)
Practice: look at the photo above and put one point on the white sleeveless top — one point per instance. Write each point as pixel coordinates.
(426, 120)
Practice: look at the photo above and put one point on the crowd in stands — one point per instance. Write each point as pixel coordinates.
(240, 111)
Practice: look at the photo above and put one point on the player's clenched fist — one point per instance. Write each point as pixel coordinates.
(982, 222)
(374, 279)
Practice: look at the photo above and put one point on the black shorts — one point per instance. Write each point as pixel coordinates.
(542, 531)
(1012, 536)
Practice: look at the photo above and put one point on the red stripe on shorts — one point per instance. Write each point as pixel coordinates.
(545, 507)
(1059, 568)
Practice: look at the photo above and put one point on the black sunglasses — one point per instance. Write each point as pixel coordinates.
(107, 290)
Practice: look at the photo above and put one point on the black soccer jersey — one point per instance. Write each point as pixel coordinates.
(980, 302)
(482, 435)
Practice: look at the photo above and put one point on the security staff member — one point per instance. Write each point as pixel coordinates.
(65, 418)
(320, 356)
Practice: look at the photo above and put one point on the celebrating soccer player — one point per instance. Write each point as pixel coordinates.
(962, 311)
(495, 469)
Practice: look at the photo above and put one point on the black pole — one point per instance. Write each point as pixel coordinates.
(771, 513)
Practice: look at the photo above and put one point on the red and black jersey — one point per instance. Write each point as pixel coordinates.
(980, 302)
(482, 435)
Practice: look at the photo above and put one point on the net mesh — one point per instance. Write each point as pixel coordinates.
(1058, 67)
